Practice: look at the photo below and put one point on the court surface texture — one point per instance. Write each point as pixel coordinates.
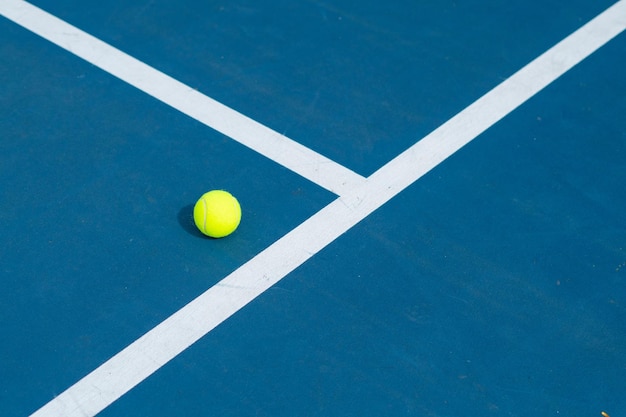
(433, 197)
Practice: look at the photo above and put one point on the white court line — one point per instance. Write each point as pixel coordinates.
(139, 360)
(279, 148)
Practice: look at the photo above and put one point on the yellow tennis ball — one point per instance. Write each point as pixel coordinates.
(217, 213)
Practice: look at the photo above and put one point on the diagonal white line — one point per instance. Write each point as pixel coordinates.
(279, 148)
(500, 101)
(139, 360)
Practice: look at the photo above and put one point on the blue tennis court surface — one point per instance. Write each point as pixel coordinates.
(494, 284)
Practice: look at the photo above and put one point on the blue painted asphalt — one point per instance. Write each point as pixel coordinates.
(494, 285)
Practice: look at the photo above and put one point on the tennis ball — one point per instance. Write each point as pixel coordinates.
(217, 213)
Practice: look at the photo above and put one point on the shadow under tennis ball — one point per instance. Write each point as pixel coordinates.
(185, 219)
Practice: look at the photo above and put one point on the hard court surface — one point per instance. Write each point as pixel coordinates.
(491, 284)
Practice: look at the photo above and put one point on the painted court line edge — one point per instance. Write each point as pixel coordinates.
(279, 148)
(143, 357)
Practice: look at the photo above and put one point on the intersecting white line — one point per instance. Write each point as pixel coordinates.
(143, 357)
(279, 148)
